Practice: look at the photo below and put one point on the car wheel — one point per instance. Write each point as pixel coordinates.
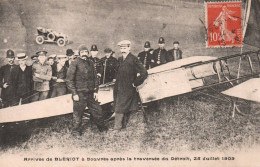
(51, 36)
(39, 40)
(61, 42)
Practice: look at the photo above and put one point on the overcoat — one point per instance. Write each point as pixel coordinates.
(23, 81)
(110, 66)
(7, 76)
(125, 95)
(176, 56)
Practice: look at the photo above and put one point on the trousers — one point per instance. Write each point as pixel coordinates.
(37, 96)
(86, 99)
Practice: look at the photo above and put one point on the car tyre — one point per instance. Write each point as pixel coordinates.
(40, 40)
(61, 42)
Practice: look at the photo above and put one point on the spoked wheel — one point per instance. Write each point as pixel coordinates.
(61, 42)
(39, 40)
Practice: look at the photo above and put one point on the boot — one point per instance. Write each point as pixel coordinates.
(118, 121)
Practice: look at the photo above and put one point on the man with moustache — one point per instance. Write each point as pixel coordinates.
(146, 56)
(82, 81)
(160, 54)
(23, 81)
(7, 79)
(131, 73)
(110, 65)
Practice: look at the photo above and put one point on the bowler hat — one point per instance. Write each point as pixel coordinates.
(10, 54)
(69, 52)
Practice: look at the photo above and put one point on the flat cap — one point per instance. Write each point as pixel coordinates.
(41, 53)
(124, 43)
(34, 56)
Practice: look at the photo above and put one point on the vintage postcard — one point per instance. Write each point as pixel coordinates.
(129, 83)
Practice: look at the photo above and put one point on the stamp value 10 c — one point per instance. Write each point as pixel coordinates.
(224, 24)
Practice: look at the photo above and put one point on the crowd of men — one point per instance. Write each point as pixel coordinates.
(80, 73)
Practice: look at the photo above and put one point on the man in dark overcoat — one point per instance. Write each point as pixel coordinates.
(131, 73)
(175, 53)
(23, 81)
(82, 81)
(110, 65)
(7, 80)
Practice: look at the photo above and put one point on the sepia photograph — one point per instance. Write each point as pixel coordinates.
(129, 83)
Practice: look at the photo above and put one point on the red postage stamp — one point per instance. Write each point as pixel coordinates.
(224, 24)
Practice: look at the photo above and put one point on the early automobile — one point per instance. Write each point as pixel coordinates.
(48, 35)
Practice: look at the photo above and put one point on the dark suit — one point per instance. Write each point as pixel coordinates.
(7, 76)
(110, 66)
(24, 84)
(175, 54)
(160, 56)
(146, 59)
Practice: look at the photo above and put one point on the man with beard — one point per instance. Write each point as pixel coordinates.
(23, 80)
(160, 55)
(82, 81)
(59, 72)
(42, 73)
(131, 73)
(7, 79)
(175, 53)
(96, 61)
(110, 65)
(146, 56)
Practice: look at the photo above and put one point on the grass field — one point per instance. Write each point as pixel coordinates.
(194, 123)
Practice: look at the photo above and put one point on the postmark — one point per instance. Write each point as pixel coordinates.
(224, 24)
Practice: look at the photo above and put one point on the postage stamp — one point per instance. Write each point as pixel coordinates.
(224, 24)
